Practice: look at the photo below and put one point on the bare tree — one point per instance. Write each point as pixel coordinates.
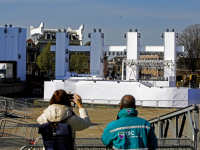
(190, 39)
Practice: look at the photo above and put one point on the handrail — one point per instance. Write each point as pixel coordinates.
(174, 113)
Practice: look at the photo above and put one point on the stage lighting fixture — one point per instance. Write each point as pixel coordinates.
(5, 30)
(20, 30)
(89, 35)
(99, 29)
(95, 30)
(167, 30)
(139, 35)
(59, 30)
(173, 30)
(102, 35)
(10, 25)
(6, 25)
(66, 51)
(162, 35)
(136, 29)
(130, 30)
(125, 35)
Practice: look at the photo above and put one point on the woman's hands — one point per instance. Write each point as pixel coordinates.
(77, 99)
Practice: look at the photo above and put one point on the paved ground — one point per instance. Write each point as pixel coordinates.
(100, 117)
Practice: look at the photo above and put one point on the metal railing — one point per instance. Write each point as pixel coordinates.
(177, 125)
(113, 103)
(16, 129)
(9, 106)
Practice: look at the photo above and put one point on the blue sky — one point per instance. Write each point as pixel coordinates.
(115, 17)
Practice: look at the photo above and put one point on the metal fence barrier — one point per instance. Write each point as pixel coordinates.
(113, 103)
(9, 106)
(16, 129)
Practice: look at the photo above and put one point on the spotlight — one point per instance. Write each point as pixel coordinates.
(6, 25)
(95, 30)
(59, 30)
(139, 35)
(173, 30)
(20, 30)
(162, 35)
(5, 30)
(89, 35)
(125, 35)
(176, 35)
(99, 29)
(130, 30)
(10, 25)
(66, 51)
(102, 35)
(136, 29)
(167, 30)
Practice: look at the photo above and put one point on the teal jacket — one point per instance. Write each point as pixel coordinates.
(130, 132)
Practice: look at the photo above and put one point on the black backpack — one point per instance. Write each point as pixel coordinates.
(57, 135)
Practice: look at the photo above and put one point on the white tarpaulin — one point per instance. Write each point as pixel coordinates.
(112, 91)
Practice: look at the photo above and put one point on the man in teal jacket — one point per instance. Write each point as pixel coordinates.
(129, 131)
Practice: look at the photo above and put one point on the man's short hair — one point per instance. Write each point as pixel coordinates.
(128, 101)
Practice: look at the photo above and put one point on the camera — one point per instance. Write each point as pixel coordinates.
(71, 98)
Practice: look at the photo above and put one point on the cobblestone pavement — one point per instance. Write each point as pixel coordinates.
(100, 117)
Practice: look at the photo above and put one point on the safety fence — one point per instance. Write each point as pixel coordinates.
(9, 106)
(14, 128)
(114, 103)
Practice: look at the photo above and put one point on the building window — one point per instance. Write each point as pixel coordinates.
(29, 44)
(48, 36)
(32, 60)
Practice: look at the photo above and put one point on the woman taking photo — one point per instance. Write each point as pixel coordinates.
(60, 109)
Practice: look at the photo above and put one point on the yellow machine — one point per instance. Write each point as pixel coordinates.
(183, 80)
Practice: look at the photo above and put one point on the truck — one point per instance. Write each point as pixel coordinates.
(6, 70)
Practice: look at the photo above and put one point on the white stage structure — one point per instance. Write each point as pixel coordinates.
(99, 89)
(13, 49)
